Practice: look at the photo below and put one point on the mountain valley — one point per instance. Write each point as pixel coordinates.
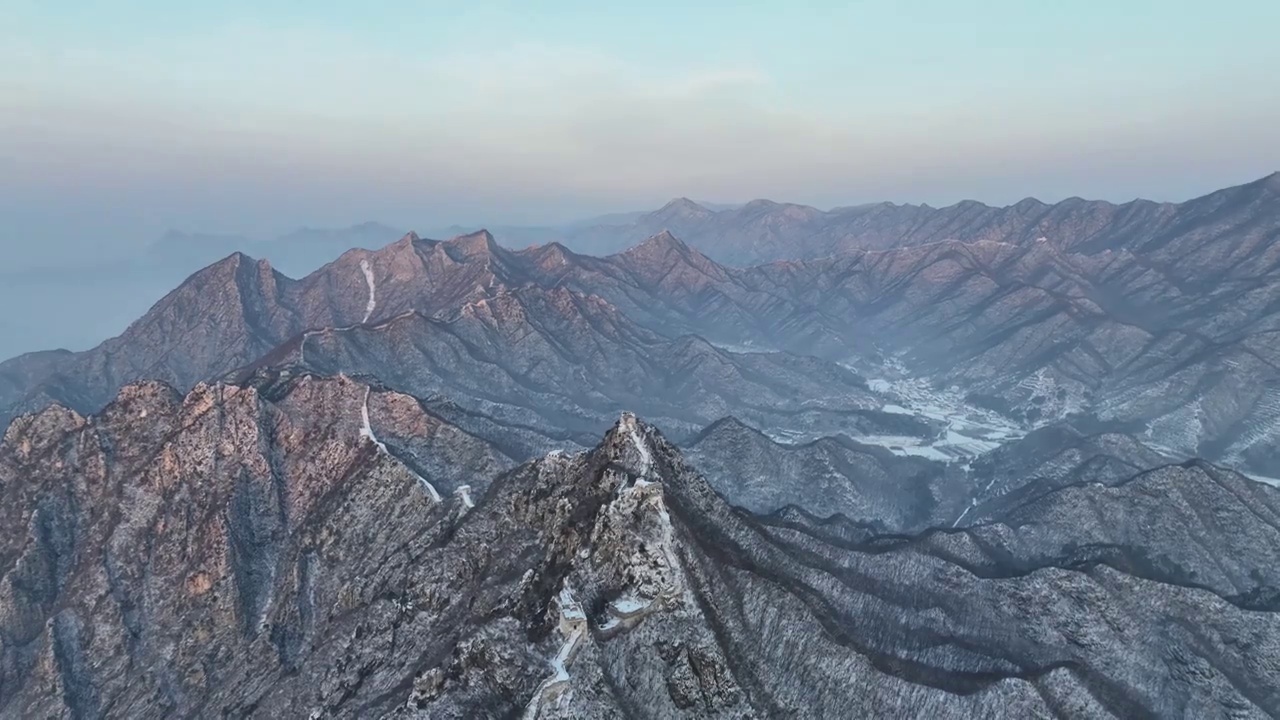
(894, 462)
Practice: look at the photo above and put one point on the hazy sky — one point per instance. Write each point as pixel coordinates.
(133, 116)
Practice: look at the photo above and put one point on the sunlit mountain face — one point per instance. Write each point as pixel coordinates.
(746, 461)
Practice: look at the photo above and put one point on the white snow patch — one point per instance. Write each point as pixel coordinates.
(569, 607)
(431, 489)
(879, 385)
(464, 493)
(974, 502)
(969, 431)
(370, 306)
(625, 609)
(1273, 482)
(366, 429)
(629, 606)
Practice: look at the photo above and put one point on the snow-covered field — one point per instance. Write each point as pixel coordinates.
(970, 431)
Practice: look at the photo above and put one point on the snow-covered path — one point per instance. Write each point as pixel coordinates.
(366, 431)
(372, 304)
(629, 425)
(974, 502)
(573, 622)
(464, 494)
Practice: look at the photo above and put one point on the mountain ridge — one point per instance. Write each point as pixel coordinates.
(588, 584)
(1147, 333)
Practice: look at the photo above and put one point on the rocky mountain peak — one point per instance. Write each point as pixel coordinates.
(476, 244)
(683, 205)
(663, 241)
(550, 257)
(1029, 204)
(665, 245)
(664, 258)
(637, 447)
(226, 266)
(631, 455)
(680, 211)
(773, 214)
(289, 538)
(970, 205)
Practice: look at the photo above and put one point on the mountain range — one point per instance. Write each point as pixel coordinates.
(983, 462)
(764, 231)
(293, 565)
(1172, 337)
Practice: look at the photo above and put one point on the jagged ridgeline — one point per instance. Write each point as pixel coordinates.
(1153, 319)
(271, 550)
(922, 463)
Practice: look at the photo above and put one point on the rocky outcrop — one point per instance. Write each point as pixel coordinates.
(165, 551)
(260, 550)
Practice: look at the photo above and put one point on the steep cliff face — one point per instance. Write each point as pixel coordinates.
(264, 550)
(173, 543)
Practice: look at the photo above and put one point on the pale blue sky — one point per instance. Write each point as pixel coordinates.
(261, 116)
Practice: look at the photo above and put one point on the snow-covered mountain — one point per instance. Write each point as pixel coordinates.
(953, 478)
(295, 565)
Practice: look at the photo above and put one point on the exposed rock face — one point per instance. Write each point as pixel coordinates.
(175, 546)
(256, 551)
